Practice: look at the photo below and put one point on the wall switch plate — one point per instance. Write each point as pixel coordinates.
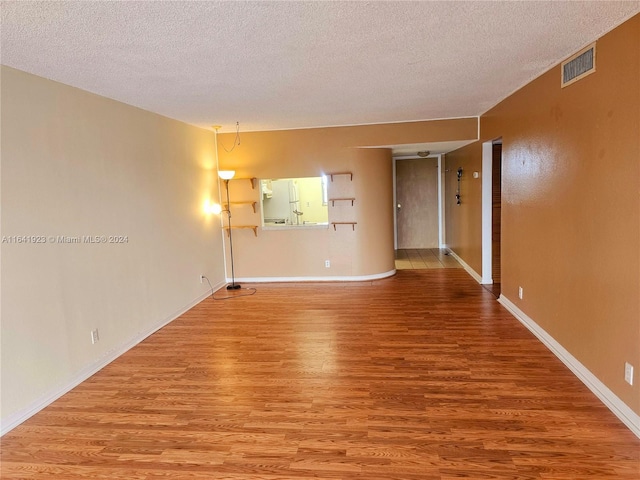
(628, 373)
(520, 292)
(327, 263)
(94, 336)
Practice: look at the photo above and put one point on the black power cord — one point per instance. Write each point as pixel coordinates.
(250, 291)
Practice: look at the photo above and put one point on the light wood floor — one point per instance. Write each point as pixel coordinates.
(422, 376)
(424, 258)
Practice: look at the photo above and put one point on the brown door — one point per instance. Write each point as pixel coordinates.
(417, 203)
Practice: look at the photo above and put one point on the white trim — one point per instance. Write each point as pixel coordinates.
(395, 205)
(464, 264)
(16, 418)
(599, 389)
(412, 156)
(441, 214)
(345, 278)
(487, 207)
(268, 227)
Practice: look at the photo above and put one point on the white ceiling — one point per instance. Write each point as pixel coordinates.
(276, 65)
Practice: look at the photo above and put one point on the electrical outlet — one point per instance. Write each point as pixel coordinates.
(520, 292)
(628, 373)
(201, 278)
(327, 263)
(94, 336)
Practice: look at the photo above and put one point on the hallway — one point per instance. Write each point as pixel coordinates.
(424, 258)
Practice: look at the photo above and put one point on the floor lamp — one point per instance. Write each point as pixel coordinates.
(227, 175)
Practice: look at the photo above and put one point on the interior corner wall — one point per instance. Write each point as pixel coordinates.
(570, 208)
(103, 227)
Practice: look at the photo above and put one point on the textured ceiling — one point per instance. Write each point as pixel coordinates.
(274, 65)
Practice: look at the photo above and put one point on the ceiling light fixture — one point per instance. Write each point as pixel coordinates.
(424, 153)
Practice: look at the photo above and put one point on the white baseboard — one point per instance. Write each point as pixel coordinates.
(470, 271)
(599, 389)
(360, 278)
(11, 421)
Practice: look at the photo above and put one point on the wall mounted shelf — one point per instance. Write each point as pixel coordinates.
(341, 173)
(251, 179)
(252, 227)
(248, 202)
(344, 199)
(353, 224)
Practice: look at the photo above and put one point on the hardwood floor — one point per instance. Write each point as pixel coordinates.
(419, 376)
(494, 288)
(424, 258)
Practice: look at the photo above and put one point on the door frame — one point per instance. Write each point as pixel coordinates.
(440, 194)
(487, 211)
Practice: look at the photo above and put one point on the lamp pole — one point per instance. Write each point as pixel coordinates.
(233, 285)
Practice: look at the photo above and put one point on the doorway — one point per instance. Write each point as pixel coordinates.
(417, 203)
(492, 215)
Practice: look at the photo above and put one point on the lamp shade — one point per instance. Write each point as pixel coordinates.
(226, 174)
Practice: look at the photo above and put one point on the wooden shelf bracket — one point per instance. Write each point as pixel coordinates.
(252, 227)
(341, 173)
(344, 199)
(353, 224)
(251, 180)
(248, 202)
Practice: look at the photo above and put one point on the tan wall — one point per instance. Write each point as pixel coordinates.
(75, 164)
(310, 152)
(463, 223)
(570, 207)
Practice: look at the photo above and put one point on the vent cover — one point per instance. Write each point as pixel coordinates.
(579, 65)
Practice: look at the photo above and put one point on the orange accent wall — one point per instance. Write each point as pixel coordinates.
(364, 251)
(570, 207)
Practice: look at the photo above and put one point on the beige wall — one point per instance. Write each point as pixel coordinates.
(570, 208)
(365, 251)
(309, 152)
(75, 164)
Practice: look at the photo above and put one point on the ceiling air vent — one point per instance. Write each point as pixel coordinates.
(579, 65)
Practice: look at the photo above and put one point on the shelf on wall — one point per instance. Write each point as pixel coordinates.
(343, 199)
(252, 227)
(353, 224)
(341, 173)
(251, 179)
(248, 202)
